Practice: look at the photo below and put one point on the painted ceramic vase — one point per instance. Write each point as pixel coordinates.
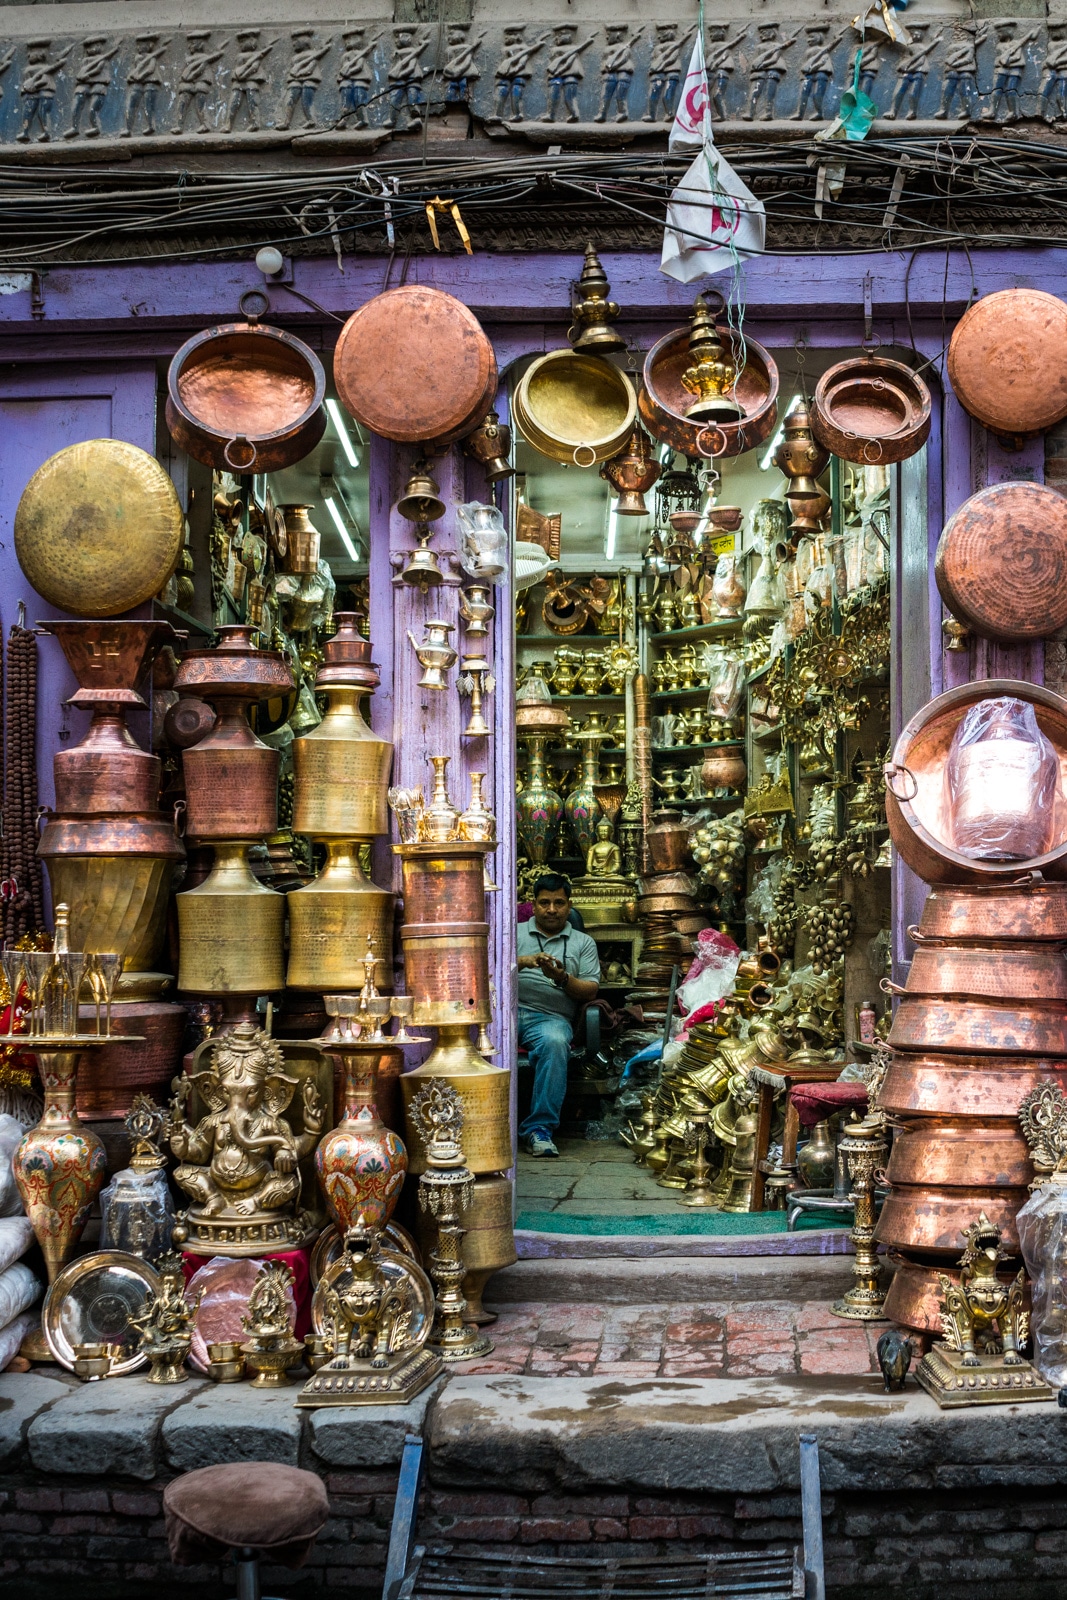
(539, 808)
(582, 807)
(59, 1165)
(361, 1163)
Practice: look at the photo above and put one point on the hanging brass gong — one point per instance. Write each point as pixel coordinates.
(99, 528)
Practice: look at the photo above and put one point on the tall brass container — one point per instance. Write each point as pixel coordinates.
(341, 772)
(231, 930)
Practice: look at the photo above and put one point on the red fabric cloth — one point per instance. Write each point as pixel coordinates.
(296, 1260)
(816, 1101)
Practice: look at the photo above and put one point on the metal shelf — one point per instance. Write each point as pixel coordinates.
(703, 630)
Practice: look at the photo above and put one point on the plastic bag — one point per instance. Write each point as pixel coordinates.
(137, 1214)
(711, 976)
(18, 1291)
(11, 1131)
(1002, 783)
(726, 681)
(485, 540)
(1042, 1226)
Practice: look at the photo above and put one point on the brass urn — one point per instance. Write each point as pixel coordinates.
(231, 929)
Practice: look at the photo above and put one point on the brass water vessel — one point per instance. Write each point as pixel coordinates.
(330, 921)
(231, 930)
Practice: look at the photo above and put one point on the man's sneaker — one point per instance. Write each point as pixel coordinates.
(540, 1144)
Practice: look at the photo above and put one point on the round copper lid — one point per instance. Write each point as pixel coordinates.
(1007, 360)
(1001, 562)
(415, 364)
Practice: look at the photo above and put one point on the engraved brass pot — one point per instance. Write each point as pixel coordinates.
(231, 930)
(245, 398)
(964, 1086)
(231, 777)
(110, 1077)
(490, 444)
(341, 768)
(575, 408)
(930, 1218)
(444, 883)
(486, 1094)
(1029, 910)
(631, 474)
(667, 840)
(446, 967)
(330, 922)
(118, 902)
(303, 541)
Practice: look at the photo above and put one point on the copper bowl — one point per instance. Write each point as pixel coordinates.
(979, 1027)
(950, 1155)
(1007, 360)
(663, 398)
(1029, 973)
(244, 398)
(871, 410)
(915, 1293)
(932, 1219)
(915, 800)
(1001, 562)
(964, 1086)
(1029, 910)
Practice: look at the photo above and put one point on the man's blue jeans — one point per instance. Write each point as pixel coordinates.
(546, 1037)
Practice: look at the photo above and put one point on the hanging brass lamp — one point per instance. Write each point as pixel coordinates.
(593, 312)
(713, 373)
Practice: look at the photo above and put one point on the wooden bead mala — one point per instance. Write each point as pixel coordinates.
(23, 900)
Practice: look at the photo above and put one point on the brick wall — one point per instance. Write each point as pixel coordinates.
(107, 1542)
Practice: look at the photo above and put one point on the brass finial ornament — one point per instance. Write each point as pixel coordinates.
(713, 373)
(593, 312)
(421, 504)
(864, 1146)
(979, 1359)
(446, 1189)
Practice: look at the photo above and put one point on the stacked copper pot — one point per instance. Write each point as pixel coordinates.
(111, 853)
(981, 1020)
(231, 927)
(668, 912)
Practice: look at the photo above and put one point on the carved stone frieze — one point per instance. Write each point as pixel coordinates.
(556, 79)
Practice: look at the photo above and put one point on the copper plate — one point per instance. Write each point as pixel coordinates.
(1007, 360)
(415, 364)
(915, 801)
(1028, 973)
(1001, 562)
(953, 1154)
(663, 399)
(915, 1293)
(933, 1219)
(1026, 910)
(871, 410)
(92, 1301)
(978, 1027)
(99, 528)
(965, 1086)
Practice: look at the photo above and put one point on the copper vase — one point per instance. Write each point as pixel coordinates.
(632, 473)
(361, 1163)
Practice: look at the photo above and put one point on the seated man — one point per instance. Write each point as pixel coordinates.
(559, 970)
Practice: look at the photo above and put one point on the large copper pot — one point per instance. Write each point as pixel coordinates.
(668, 841)
(1027, 973)
(330, 921)
(446, 967)
(871, 410)
(1007, 360)
(964, 1086)
(1001, 562)
(979, 1027)
(231, 777)
(415, 364)
(915, 1293)
(341, 768)
(950, 1154)
(245, 398)
(916, 803)
(444, 883)
(1028, 909)
(230, 930)
(109, 1078)
(663, 400)
(932, 1219)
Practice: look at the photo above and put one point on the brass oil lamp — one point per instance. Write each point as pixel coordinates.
(631, 474)
(800, 458)
(593, 312)
(711, 377)
(421, 504)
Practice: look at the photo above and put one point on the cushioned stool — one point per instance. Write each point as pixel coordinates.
(253, 1508)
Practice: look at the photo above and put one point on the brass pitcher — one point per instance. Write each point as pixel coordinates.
(231, 930)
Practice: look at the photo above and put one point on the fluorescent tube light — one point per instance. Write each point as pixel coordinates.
(338, 522)
(613, 528)
(338, 421)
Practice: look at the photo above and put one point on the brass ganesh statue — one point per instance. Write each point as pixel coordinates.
(239, 1164)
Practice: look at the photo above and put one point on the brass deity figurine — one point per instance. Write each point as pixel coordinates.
(239, 1163)
(166, 1324)
(605, 894)
(271, 1349)
(979, 1360)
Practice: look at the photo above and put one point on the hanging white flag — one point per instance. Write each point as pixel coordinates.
(692, 120)
(713, 219)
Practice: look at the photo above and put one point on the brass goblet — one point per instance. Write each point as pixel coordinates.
(402, 1007)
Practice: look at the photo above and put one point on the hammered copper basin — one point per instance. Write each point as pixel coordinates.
(1030, 910)
(934, 1219)
(664, 398)
(915, 1293)
(245, 398)
(1001, 562)
(871, 410)
(959, 1155)
(1007, 360)
(916, 803)
(964, 1086)
(1037, 973)
(979, 1027)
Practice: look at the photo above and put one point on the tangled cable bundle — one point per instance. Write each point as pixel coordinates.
(23, 896)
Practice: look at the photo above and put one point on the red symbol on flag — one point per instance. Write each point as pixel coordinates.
(696, 103)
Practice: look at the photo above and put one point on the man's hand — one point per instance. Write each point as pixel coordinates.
(553, 969)
(525, 963)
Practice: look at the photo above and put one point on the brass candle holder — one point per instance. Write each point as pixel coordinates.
(864, 1146)
(700, 1194)
(446, 1189)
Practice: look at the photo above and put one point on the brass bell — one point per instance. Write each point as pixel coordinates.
(593, 312)
(421, 501)
(712, 374)
(421, 569)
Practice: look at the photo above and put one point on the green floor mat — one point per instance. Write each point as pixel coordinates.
(707, 1222)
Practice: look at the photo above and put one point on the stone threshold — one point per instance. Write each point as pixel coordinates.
(668, 1279)
(530, 1244)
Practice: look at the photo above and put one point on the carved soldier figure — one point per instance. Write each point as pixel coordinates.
(1054, 90)
(1009, 66)
(460, 68)
(565, 71)
(91, 83)
(767, 71)
(248, 78)
(911, 72)
(303, 76)
(817, 70)
(960, 70)
(406, 73)
(870, 61)
(143, 83)
(354, 75)
(720, 65)
(38, 88)
(617, 71)
(196, 82)
(512, 71)
(5, 62)
(665, 70)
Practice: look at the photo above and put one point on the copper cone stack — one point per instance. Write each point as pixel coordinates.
(982, 1020)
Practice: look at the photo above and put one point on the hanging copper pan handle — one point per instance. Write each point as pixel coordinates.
(238, 465)
(179, 819)
(887, 986)
(914, 933)
(717, 448)
(254, 304)
(890, 771)
(44, 813)
(577, 452)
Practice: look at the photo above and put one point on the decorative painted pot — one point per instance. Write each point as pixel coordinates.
(59, 1165)
(582, 808)
(361, 1163)
(539, 808)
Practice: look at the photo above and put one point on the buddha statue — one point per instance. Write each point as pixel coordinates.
(605, 894)
(604, 858)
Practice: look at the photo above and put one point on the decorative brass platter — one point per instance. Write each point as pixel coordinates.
(99, 528)
(92, 1301)
(1007, 360)
(575, 408)
(1001, 562)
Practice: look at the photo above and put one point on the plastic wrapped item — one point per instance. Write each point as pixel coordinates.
(1042, 1224)
(19, 1289)
(1002, 783)
(227, 1285)
(16, 1236)
(711, 976)
(11, 1131)
(485, 540)
(726, 681)
(12, 1336)
(137, 1214)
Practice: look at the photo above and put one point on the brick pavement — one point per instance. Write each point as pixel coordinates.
(751, 1339)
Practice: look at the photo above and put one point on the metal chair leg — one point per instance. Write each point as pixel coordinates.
(811, 1510)
(405, 1512)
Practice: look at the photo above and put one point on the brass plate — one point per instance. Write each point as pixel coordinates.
(91, 1302)
(99, 528)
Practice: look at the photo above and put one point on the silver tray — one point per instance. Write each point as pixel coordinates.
(92, 1301)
